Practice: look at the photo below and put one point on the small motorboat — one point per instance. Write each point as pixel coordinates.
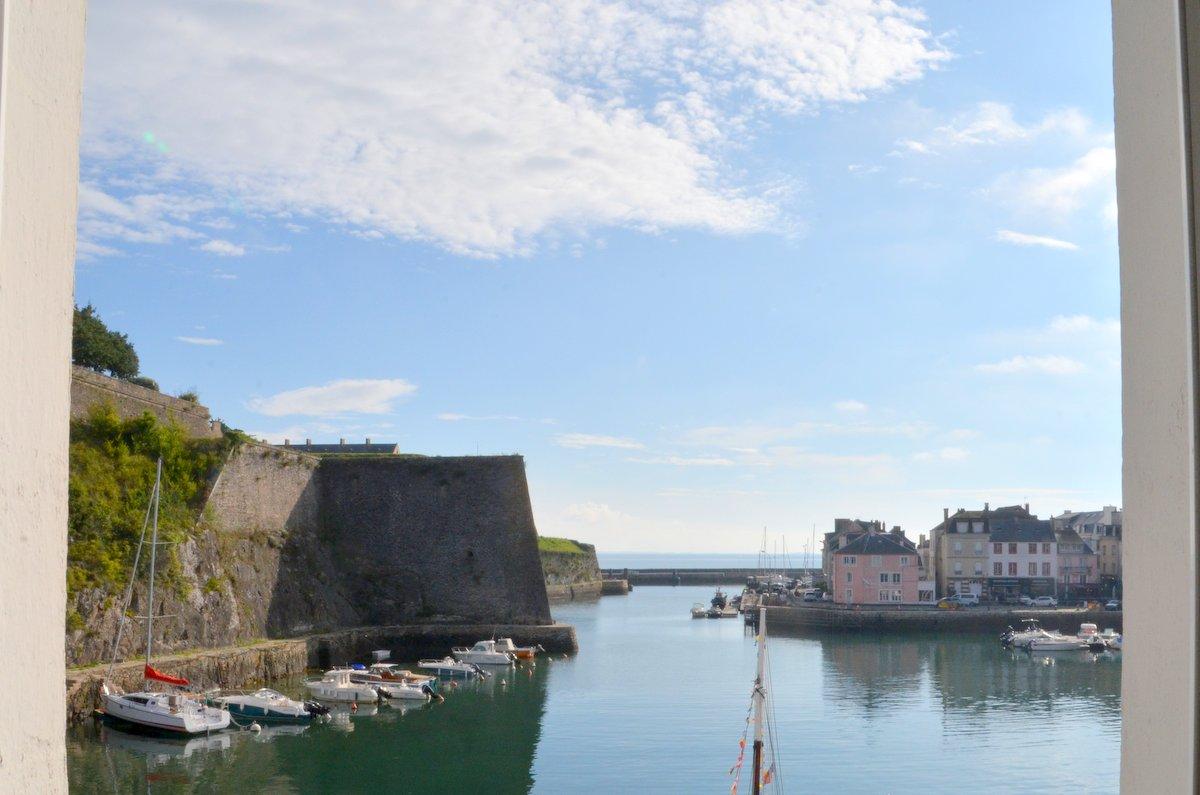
(1021, 639)
(338, 685)
(1057, 643)
(450, 668)
(390, 688)
(483, 653)
(699, 610)
(266, 704)
(390, 672)
(520, 652)
(1112, 640)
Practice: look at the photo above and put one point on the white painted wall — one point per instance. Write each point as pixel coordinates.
(1158, 729)
(41, 71)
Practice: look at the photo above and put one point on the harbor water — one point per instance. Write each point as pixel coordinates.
(656, 702)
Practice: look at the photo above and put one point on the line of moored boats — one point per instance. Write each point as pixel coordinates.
(1034, 637)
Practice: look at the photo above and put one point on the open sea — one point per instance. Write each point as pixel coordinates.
(656, 702)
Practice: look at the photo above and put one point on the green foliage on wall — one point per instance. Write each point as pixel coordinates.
(551, 544)
(95, 346)
(112, 475)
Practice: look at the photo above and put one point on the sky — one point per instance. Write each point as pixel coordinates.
(710, 267)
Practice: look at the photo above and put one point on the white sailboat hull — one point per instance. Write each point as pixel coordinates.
(181, 716)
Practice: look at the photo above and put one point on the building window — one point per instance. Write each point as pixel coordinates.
(998, 548)
(849, 595)
(849, 577)
(849, 560)
(1046, 571)
(976, 527)
(1032, 569)
(1045, 549)
(961, 527)
(1033, 549)
(997, 569)
(1012, 570)
(978, 568)
(978, 547)
(883, 578)
(876, 561)
(958, 567)
(958, 546)
(896, 577)
(904, 560)
(1012, 549)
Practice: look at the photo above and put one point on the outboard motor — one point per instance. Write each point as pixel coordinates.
(1006, 638)
(315, 708)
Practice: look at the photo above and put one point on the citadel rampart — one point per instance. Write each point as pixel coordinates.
(89, 388)
(571, 575)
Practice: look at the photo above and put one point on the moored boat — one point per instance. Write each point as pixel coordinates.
(450, 668)
(337, 685)
(390, 672)
(483, 652)
(699, 610)
(520, 652)
(1057, 643)
(266, 704)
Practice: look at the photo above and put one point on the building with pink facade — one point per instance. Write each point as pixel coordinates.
(876, 568)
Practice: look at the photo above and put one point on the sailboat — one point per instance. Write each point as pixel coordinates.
(763, 775)
(173, 710)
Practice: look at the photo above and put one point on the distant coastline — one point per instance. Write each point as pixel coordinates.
(698, 560)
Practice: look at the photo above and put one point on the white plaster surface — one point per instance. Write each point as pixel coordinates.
(41, 70)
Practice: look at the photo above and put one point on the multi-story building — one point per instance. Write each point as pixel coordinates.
(1077, 563)
(845, 531)
(876, 568)
(959, 548)
(1101, 530)
(1023, 558)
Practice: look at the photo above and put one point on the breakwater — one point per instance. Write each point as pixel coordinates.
(570, 570)
(929, 619)
(238, 667)
(696, 576)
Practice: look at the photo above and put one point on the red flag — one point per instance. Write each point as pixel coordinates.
(159, 676)
(766, 779)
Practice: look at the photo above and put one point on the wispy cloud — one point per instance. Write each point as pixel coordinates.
(578, 441)
(201, 340)
(589, 114)
(1023, 239)
(1089, 181)
(223, 248)
(943, 454)
(1084, 324)
(850, 406)
(686, 461)
(448, 416)
(220, 274)
(993, 123)
(347, 396)
(1048, 365)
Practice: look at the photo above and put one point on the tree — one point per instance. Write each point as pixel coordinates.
(95, 346)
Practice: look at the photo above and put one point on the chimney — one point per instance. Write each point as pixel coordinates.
(986, 507)
(341, 441)
(945, 513)
(1026, 507)
(308, 442)
(368, 441)
(287, 442)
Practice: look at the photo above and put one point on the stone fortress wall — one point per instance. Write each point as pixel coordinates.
(572, 575)
(89, 388)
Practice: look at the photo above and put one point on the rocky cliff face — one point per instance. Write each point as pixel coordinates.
(289, 544)
(571, 575)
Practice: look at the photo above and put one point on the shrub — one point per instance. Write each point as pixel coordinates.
(142, 380)
(95, 346)
(551, 544)
(190, 396)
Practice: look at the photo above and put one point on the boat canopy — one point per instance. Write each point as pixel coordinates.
(149, 672)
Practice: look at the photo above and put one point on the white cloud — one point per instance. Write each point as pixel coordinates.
(1089, 181)
(448, 416)
(220, 274)
(991, 123)
(1084, 324)
(963, 434)
(850, 406)
(862, 169)
(595, 513)
(752, 436)
(347, 396)
(686, 461)
(578, 441)
(944, 454)
(1048, 365)
(478, 126)
(223, 248)
(143, 218)
(201, 340)
(1022, 239)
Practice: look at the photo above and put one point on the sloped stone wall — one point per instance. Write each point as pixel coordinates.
(89, 388)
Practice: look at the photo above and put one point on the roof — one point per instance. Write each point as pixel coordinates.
(986, 513)
(377, 448)
(1022, 529)
(1071, 537)
(1072, 520)
(877, 544)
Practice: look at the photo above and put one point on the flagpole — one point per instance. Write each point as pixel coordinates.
(760, 695)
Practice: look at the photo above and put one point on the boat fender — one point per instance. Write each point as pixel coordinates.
(354, 706)
(254, 727)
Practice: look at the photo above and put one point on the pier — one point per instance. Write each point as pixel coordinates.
(699, 576)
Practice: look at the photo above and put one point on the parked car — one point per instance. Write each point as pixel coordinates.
(1112, 604)
(1026, 600)
(812, 595)
(968, 599)
(1045, 601)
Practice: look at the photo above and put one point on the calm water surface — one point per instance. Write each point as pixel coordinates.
(656, 702)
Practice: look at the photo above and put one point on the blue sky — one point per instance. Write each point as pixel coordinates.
(708, 267)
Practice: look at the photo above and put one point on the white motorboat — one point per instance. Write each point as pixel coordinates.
(337, 685)
(1112, 640)
(450, 668)
(483, 653)
(1031, 631)
(173, 711)
(699, 610)
(390, 687)
(391, 672)
(266, 704)
(1057, 643)
(519, 652)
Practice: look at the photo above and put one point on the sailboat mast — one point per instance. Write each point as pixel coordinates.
(153, 557)
(760, 697)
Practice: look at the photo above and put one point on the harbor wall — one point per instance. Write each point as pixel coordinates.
(682, 576)
(89, 388)
(571, 575)
(928, 619)
(289, 544)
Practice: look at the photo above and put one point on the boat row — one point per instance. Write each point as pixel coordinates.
(721, 606)
(1034, 637)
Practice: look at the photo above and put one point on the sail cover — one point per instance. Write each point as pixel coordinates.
(159, 676)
